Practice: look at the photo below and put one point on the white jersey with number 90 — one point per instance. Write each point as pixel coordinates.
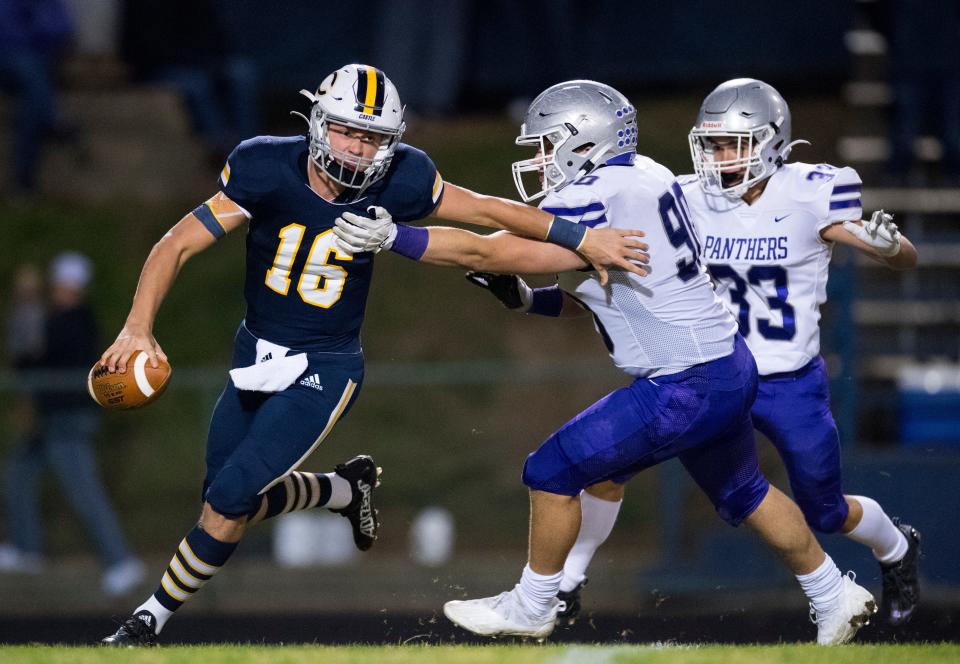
(671, 319)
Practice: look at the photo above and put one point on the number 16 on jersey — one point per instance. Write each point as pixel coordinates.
(321, 282)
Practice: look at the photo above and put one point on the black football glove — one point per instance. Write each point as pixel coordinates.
(508, 288)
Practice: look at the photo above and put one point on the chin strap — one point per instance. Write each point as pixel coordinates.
(313, 100)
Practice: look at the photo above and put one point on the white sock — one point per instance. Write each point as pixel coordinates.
(822, 586)
(537, 590)
(157, 610)
(596, 523)
(877, 531)
(341, 492)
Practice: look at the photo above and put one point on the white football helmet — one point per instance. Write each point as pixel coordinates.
(756, 116)
(362, 97)
(576, 126)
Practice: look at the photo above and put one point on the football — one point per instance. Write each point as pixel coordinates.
(140, 385)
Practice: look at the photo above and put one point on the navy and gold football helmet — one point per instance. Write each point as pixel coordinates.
(361, 97)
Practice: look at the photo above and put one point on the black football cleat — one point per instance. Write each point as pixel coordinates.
(568, 616)
(364, 476)
(135, 632)
(901, 588)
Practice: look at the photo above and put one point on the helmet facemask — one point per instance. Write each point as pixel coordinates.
(359, 97)
(560, 159)
(752, 114)
(544, 164)
(352, 171)
(750, 148)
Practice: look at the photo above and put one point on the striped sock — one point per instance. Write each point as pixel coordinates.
(303, 491)
(197, 559)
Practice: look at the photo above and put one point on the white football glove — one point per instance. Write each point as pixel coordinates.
(880, 233)
(358, 234)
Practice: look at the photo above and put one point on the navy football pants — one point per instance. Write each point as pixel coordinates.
(256, 438)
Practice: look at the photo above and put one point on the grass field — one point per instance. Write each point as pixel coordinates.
(520, 654)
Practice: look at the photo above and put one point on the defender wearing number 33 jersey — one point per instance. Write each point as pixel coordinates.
(769, 261)
(768, 229)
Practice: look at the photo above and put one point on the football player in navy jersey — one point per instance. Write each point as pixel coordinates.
(298, 362)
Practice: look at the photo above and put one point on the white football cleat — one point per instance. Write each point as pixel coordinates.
(854, 608)
(503, 615)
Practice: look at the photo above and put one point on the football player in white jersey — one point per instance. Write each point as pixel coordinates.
(768, 229)
(693, 379)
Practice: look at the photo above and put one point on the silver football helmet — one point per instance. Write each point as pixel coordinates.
(362, 97)
(754, 115)
(575, 126)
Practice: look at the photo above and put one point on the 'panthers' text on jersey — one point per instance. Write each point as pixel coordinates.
(768, 260)
(302, 289)
(671, 319)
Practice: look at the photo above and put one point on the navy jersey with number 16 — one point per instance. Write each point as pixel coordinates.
(302, 289)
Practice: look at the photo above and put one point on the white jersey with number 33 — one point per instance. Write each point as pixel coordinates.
(671, 319)
(768, 260)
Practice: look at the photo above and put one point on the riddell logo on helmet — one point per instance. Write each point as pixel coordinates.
(712, 124)
(364, 116)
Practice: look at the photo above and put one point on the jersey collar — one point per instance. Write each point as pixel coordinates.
(625, 159)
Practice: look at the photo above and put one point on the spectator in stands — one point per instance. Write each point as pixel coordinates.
(184, 44)
(33, 35)
(24, 345)
(62, 439)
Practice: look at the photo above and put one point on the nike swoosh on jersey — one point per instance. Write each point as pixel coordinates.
(779, 219)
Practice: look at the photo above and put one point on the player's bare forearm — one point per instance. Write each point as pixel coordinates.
(905, 259)
(603, 248)
(187, 238)
(169, 254)
(502, 252)
(468, 207)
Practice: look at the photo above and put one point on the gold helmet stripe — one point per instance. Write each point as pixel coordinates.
(371, 88)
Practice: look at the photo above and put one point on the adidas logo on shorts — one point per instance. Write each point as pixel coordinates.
(312, 381)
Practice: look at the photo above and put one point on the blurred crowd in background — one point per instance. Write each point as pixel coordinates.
(227, 59)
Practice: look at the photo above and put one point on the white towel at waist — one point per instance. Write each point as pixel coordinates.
(273, 371)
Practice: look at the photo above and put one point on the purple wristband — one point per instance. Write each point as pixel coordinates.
(547, 301)
(411, 241)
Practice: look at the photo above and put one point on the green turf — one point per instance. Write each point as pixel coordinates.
(521, 654)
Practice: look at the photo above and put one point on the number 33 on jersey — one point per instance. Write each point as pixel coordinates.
(768, 260)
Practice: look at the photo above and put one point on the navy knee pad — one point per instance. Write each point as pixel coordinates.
(825, 514)
(738, 505)
(234, 492)
(541, 474)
